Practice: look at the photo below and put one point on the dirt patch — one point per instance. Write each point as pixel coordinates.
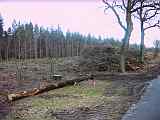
(108, 110)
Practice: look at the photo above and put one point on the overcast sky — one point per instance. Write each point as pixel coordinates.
(80, 16)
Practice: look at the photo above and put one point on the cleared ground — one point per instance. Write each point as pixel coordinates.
(82, 102)
(108, 100)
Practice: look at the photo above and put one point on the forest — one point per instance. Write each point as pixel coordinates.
(27, 41)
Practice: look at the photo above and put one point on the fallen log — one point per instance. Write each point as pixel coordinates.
(35, 91)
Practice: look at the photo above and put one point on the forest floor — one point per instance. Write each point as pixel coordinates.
(109, 99)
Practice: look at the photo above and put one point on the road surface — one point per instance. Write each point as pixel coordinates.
(148, 108)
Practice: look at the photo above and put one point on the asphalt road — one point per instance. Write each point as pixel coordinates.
(148, 108)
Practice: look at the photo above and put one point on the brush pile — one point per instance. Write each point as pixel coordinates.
(107, 58)
(99, 58)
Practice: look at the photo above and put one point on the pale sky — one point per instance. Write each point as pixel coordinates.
(80, 16)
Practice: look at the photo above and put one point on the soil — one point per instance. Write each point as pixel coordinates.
(124, 90)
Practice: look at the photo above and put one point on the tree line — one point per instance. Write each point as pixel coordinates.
(23, 41)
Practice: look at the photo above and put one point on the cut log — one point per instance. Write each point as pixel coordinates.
(35, 91)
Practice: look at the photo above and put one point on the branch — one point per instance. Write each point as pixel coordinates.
(124, 4)
(136, 16)
(155, 25)
(134, 2)
(147, 14)
(119, 6)
(115, 12)
(155, 13)
(153, 5)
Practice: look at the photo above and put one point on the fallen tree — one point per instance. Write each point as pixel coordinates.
(36, 91)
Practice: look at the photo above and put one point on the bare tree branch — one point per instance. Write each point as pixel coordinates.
(135, 16)
(134, 2)
(124, 4)
(146, 14)
(115, 12)
(153, 5)
(154, 25)
(150, 17)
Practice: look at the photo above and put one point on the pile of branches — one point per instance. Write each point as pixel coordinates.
(99, 58)
(132, 61)
(107, 58)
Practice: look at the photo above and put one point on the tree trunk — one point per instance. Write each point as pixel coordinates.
(25, 49)
(123, 51)
(125, 40)
(19, 50)
(35, 91)
(142, 44)
(40, 49)
(15, 48)
(35, 48)
(47, 49)
(8, 45)
(30, 48)
(142, 34)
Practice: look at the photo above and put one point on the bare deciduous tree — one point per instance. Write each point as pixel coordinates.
(127, 6)
(147, 11)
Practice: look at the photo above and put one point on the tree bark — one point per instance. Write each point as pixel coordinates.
(25, 49)
(35, 48)
(142, 44)
(125, 40)
(19, 49)
(35, 91)
(124, 49)
(142, 35)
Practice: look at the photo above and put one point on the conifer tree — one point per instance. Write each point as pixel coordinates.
(1, 26)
